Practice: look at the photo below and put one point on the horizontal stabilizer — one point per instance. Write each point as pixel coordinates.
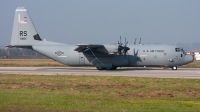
(20, 46)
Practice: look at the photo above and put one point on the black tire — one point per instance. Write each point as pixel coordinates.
(174, 67)
(113, 68)
(100, 68)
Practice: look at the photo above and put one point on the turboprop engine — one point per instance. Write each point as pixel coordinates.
(108, 49)
(115, 49)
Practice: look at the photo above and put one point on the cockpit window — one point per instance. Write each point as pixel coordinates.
(180, 50)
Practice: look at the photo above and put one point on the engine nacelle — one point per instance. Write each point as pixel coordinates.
(108, 49)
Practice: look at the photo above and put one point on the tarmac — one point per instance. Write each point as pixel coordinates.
(193, 73)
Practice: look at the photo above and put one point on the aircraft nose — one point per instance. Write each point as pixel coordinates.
(189, 58)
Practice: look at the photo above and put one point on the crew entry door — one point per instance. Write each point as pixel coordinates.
(81, 59)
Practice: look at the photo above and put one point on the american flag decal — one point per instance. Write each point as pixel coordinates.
(23, 21)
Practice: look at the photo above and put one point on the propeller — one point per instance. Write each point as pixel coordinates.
(119, 42)
(125, 47)
(135, 41)
(120, 47)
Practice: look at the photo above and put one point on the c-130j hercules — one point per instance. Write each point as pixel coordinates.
(24, 35)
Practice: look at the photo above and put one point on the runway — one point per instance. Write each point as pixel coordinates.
(193, 73)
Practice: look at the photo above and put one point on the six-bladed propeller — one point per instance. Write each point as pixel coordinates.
(122, 48)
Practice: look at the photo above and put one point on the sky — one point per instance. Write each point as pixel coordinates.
(104, 21)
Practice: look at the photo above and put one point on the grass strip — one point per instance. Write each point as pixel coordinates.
(97, 93)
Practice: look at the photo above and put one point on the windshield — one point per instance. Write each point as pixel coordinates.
(180, 50)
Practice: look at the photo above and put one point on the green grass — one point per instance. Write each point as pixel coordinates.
(194, 64)
(29, 63)
(98, 93)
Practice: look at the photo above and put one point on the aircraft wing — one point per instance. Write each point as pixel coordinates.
(83, 47)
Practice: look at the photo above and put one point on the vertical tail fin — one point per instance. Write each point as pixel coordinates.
(24, 32)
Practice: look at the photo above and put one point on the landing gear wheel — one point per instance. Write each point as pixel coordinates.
(174, 68)
(100, 68)
(103, 68)
(113, 68)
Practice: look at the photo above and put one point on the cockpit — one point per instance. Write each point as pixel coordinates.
(180, 50)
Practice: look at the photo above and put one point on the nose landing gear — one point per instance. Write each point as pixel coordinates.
(174, 67)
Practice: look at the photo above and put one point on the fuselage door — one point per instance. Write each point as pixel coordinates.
(180, 57)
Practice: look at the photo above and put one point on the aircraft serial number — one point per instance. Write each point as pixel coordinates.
(159, 50)
(23, 38)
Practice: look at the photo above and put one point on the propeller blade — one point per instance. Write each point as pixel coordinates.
(120, 40)
(125, 50)
(125, 41)
(120, 47)
(135, 41)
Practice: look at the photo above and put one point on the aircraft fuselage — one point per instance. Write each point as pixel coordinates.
(138, 55)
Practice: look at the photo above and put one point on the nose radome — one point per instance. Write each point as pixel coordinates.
(189, 58)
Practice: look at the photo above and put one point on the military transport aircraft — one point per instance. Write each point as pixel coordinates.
(24, 35)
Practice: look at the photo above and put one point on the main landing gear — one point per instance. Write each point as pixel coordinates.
(104, 68)
(174, 67)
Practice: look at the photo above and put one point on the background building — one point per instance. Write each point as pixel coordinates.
(196, 54)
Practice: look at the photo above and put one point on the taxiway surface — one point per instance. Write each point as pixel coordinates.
(136, 72)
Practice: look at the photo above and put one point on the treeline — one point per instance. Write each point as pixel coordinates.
(19, 53)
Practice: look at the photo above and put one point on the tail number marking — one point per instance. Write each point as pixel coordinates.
(23, 35)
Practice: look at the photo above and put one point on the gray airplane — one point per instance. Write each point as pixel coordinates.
(24, 35)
